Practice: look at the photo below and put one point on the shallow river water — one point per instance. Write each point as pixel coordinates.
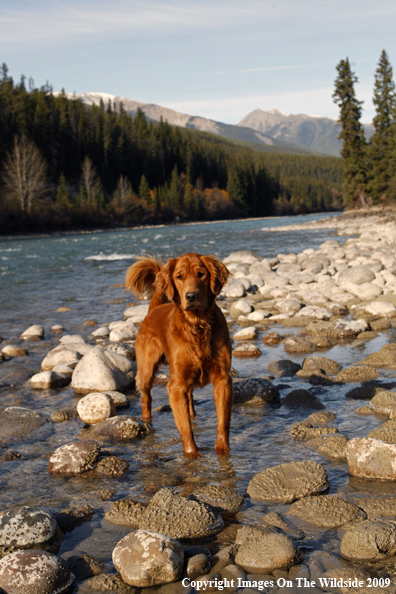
(81, 273)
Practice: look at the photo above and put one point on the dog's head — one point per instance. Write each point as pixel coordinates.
(192, 281)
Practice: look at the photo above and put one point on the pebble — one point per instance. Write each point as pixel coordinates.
(74, 458)
(146, 558)
(34, 572)
(287, 482)
(12, 350)
(249, 333)
(197, 565)
(35, 332)
(95, 407)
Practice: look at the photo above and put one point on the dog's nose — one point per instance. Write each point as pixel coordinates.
(191, 296)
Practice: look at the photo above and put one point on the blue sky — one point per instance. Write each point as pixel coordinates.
(220, 59)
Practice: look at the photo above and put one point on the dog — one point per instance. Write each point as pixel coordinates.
(185, 328)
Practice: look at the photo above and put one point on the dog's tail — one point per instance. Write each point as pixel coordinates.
(140, 277)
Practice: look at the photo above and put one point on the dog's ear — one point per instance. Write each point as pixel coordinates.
(218, 273)
(164, 281)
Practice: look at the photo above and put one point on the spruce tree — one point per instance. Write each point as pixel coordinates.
(381, 143)
(354, 150)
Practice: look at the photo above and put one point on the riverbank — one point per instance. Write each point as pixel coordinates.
(315, 389)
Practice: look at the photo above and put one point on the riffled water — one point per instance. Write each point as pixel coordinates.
(84, 273)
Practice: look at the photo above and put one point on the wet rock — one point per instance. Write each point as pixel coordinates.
(181, 518)
(112, 467)
(74, 458)
(12, 350)
(122, 428)
(137, 311)
(278, 521)
(361, 373)
(327, 366)
(371, 458)
(49, 380)
(364, 410)
(102, 332)
(386, 433)
(197, 565)
(84, 566)
(249, 333)
(20, 423)
(265, 552)
(371, 540)
(145, 558)
(305, 430)
(221, 499)
(60, 354)
(109, 583)
(299, 344)
(106, 494)
(241, 307)
(365, 392)
(255, 391)
(326, 511)
(64, 414)
(100, 371)
(27, 528)
(35, 332)
(283, 368)
(333, 446)
(315, 312)
(125, 512)
(287, 482)
(272, 338)
(34, 572)
(57, 328)
(121, 348)
(383, 402)
(302, 399)
(119, 399)
(245, 349)
(376, 507)
(10, 456)
(75, 515)
(321, 418)
(95, 407)
(63, 368)
(384, 359)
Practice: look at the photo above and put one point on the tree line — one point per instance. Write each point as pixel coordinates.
(64, 164)
(369, 168)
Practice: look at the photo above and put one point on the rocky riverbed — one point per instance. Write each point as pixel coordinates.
(94, 499)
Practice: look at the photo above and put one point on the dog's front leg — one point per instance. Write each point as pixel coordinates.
(223, 396)
(179, 401)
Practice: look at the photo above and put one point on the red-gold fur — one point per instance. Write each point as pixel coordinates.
(185, 328)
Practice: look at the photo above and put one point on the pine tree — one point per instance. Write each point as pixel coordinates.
(144, 190)
(381, 144)
(353, 152)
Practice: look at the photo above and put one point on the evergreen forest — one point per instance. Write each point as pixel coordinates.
(65, 166)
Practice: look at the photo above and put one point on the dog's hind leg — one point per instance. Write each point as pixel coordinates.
(191, 410)
(148, 357)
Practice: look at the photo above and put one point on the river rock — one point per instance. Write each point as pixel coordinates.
(20, 423)
(121, 428)
(84, 566)
(34, 572)
(305, 430)
(298, 344)
(49, 380)
(234, 289)
(287, 482)
(245, 350)
(146, 558)
(355, 274)
(27, 528)
(249, 333)
(383, 402)
(181, 518)
(371, 458)
(12, 350)
(362, 373)
(197, 565)
(255, 391)
(376, 507)
(386, 433)
(95, 407)
(348, 328)
(302, 398)
(381, 358)
(278, 521)
(102, 332)
(125, 512)
(119, 399)
(371, 540)
(35, 332)
(63, 368)
(101, 371)
(266, 552)
(112, 467)
(315, 312)
(137, 311)
(283, 368)
(60, 354)
(125, 331)
(221, 499)
(327, 366)
(74, 458)
(333, 446)
(381, 309)
(326, 511)
(126, 349)
(321, 418)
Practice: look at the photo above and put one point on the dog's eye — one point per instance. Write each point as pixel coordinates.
(201, 274)
(180, 276)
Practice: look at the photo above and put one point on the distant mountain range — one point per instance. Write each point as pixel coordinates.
(270, 130)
